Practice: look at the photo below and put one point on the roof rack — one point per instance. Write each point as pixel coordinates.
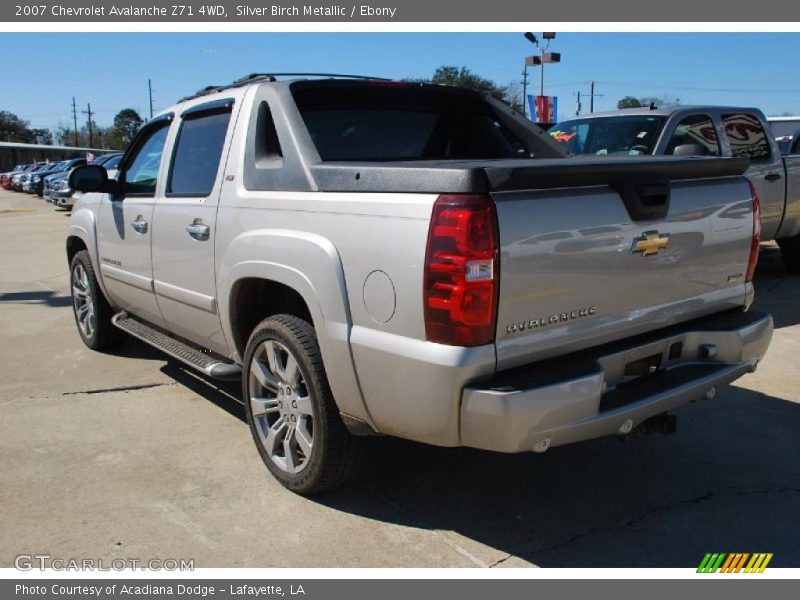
(253, 77)
(274, 76)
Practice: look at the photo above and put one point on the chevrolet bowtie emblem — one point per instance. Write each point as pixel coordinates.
(649, 243)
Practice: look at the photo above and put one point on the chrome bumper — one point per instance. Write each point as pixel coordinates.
(587, 395)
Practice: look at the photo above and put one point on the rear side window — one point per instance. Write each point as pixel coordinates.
(746, 136)
(197, 154)
(694, 135)
(403, 122)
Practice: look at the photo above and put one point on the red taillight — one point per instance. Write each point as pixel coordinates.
(756, 241)
(461, 271)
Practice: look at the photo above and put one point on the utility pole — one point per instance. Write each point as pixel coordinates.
(75, 119)
(525, 90)
(592, 96)
(578, 104)
(150, 93)
(88, 112)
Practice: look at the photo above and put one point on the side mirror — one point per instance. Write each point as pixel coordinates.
(91, 178)
(690, 150)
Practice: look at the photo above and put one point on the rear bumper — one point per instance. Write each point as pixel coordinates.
(583, 396)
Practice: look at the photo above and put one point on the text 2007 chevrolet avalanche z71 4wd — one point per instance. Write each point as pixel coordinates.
(418, 261)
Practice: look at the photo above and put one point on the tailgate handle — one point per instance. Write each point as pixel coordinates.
(645, 201)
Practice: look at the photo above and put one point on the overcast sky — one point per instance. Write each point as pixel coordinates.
(43, 71)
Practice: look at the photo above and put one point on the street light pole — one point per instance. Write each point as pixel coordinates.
(525, 90)
(544, 56)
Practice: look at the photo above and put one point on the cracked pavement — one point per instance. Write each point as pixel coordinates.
(130, 455)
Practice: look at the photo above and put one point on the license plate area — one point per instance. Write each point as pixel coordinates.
(642, 367)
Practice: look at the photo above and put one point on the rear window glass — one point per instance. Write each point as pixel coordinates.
(365, 123)
(746, 136)
(632, 135)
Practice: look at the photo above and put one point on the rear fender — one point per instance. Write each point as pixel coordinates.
(310, 265)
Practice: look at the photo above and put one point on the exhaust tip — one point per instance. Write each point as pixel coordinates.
(542, 445)
(626, 427)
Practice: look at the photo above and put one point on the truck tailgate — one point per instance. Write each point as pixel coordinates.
(581, 266)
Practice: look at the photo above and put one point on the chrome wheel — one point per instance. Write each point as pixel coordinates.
(281, 407)
(83, 301)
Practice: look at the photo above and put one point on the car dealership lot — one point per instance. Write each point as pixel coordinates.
(128, 455)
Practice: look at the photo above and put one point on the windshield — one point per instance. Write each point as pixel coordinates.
(632, 135)
(113, 162)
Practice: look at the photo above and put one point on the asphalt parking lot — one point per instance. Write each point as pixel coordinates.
(128, 455)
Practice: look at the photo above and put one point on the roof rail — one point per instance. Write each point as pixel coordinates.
(254, 77)
(273, 76)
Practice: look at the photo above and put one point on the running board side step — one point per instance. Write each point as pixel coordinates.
(189, 355)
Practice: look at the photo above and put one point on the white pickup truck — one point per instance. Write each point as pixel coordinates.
(372, 257)
(703, 131)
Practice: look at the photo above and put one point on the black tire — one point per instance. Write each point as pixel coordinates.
(103, 334)
(336, 455)
(790, 253)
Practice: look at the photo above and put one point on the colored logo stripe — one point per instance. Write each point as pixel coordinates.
(711, 562)
(734, 562)
(758, 563)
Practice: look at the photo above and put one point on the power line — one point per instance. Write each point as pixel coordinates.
(699, 89)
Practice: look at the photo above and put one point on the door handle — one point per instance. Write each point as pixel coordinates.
(139, 225)
(198, 231)
(772, 177)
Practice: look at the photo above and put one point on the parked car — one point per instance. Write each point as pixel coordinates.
(19, 177)
(348, 250)
(36, 183)
(5, 178)
(65, 167)
(782, 126)
(60, 192)
(703, 131)
(789, 144)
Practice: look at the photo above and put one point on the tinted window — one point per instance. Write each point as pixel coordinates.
(632, 135)
(403, 122)
(141, 175)
(746, 136)
(197, 154)
(697, 135)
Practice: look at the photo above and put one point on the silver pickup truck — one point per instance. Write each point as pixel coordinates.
(703, 131)
(381, 257)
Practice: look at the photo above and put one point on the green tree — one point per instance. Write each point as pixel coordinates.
(14, 129)
(633, 102)
(127, 123)
(464, 77)
(41, 136)
(659, 101)
(629, 102)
